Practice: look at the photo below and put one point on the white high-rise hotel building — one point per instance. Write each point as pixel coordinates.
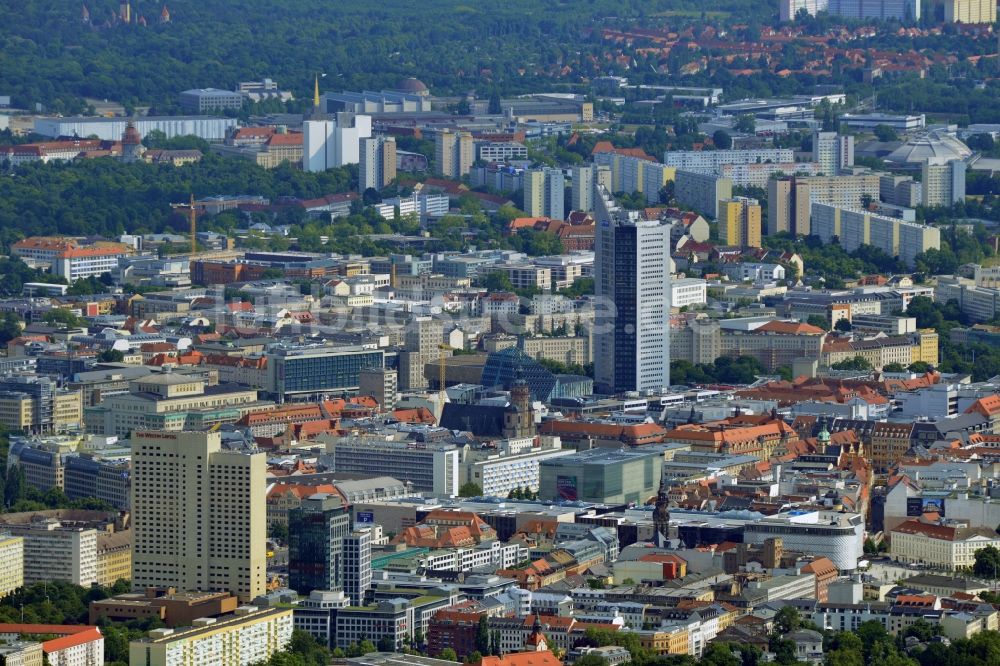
(632, 283)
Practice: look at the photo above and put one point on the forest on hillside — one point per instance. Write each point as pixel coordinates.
(49, 55)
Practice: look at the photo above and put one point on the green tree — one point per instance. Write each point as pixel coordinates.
(591, 660)
(111, 356)
(497, 281)
(483, 636)
(893, 367)
(843, 325)
(62, 317)
(819, 321)
(10, 327)
(987, 562)
(470, 489)
(722, 140)
(885, 133)
(920, 366)
(448, 654)
(858, 363)
(787, 620)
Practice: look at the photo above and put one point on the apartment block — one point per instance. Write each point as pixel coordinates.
(250, 636)
(740, 222)
(582, 193)
(943, 183)
(968, 11)
(853, 227)
(702, 192)
(199, 517)
(713, 159)
(454, 153)
(833, 152)
(544, 192)
(376, 162)
(790, 199)
(11, 563)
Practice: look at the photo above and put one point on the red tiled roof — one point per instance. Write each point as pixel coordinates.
(57, 644)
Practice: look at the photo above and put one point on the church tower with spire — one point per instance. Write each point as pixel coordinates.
(519, 418)
(664, 535)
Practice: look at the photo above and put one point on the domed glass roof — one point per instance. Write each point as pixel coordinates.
(412, 85)
(937, 145)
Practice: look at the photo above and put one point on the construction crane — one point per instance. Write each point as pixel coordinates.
(193, 217)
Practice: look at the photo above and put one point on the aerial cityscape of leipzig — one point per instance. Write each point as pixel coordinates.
(521, 333)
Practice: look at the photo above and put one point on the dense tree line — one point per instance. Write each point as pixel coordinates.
(109, 198)
(48, 55)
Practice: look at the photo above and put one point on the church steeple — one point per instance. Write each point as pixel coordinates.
(663, 534)
(316, 94)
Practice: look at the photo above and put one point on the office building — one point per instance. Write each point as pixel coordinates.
(428, 467)
(316, 531)
(967, 11)
(740, 222)
(632, 283)
(513, 464)
(422, 342)
(319, 369)
(333, 141)
(943, 182)
(84, 262)
(500, 151)
(544, 191)
(205, 100)
(11, 563)
(832, 152)
(453, 153)
(54, 551)
(381, 384)
(357, 564)
(199, 520)
(171, 401)
(604, 476)
(35, 404)
(789, 199)
(377, 162)
(852, 228)
(701, 192)
(249, 636)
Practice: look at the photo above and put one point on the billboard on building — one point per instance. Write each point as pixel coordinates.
(566, 488)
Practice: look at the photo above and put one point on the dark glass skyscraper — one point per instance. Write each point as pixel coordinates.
(316, 532)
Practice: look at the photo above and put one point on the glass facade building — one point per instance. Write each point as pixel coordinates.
(316, 533)
(320, 370)
(604, 476)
